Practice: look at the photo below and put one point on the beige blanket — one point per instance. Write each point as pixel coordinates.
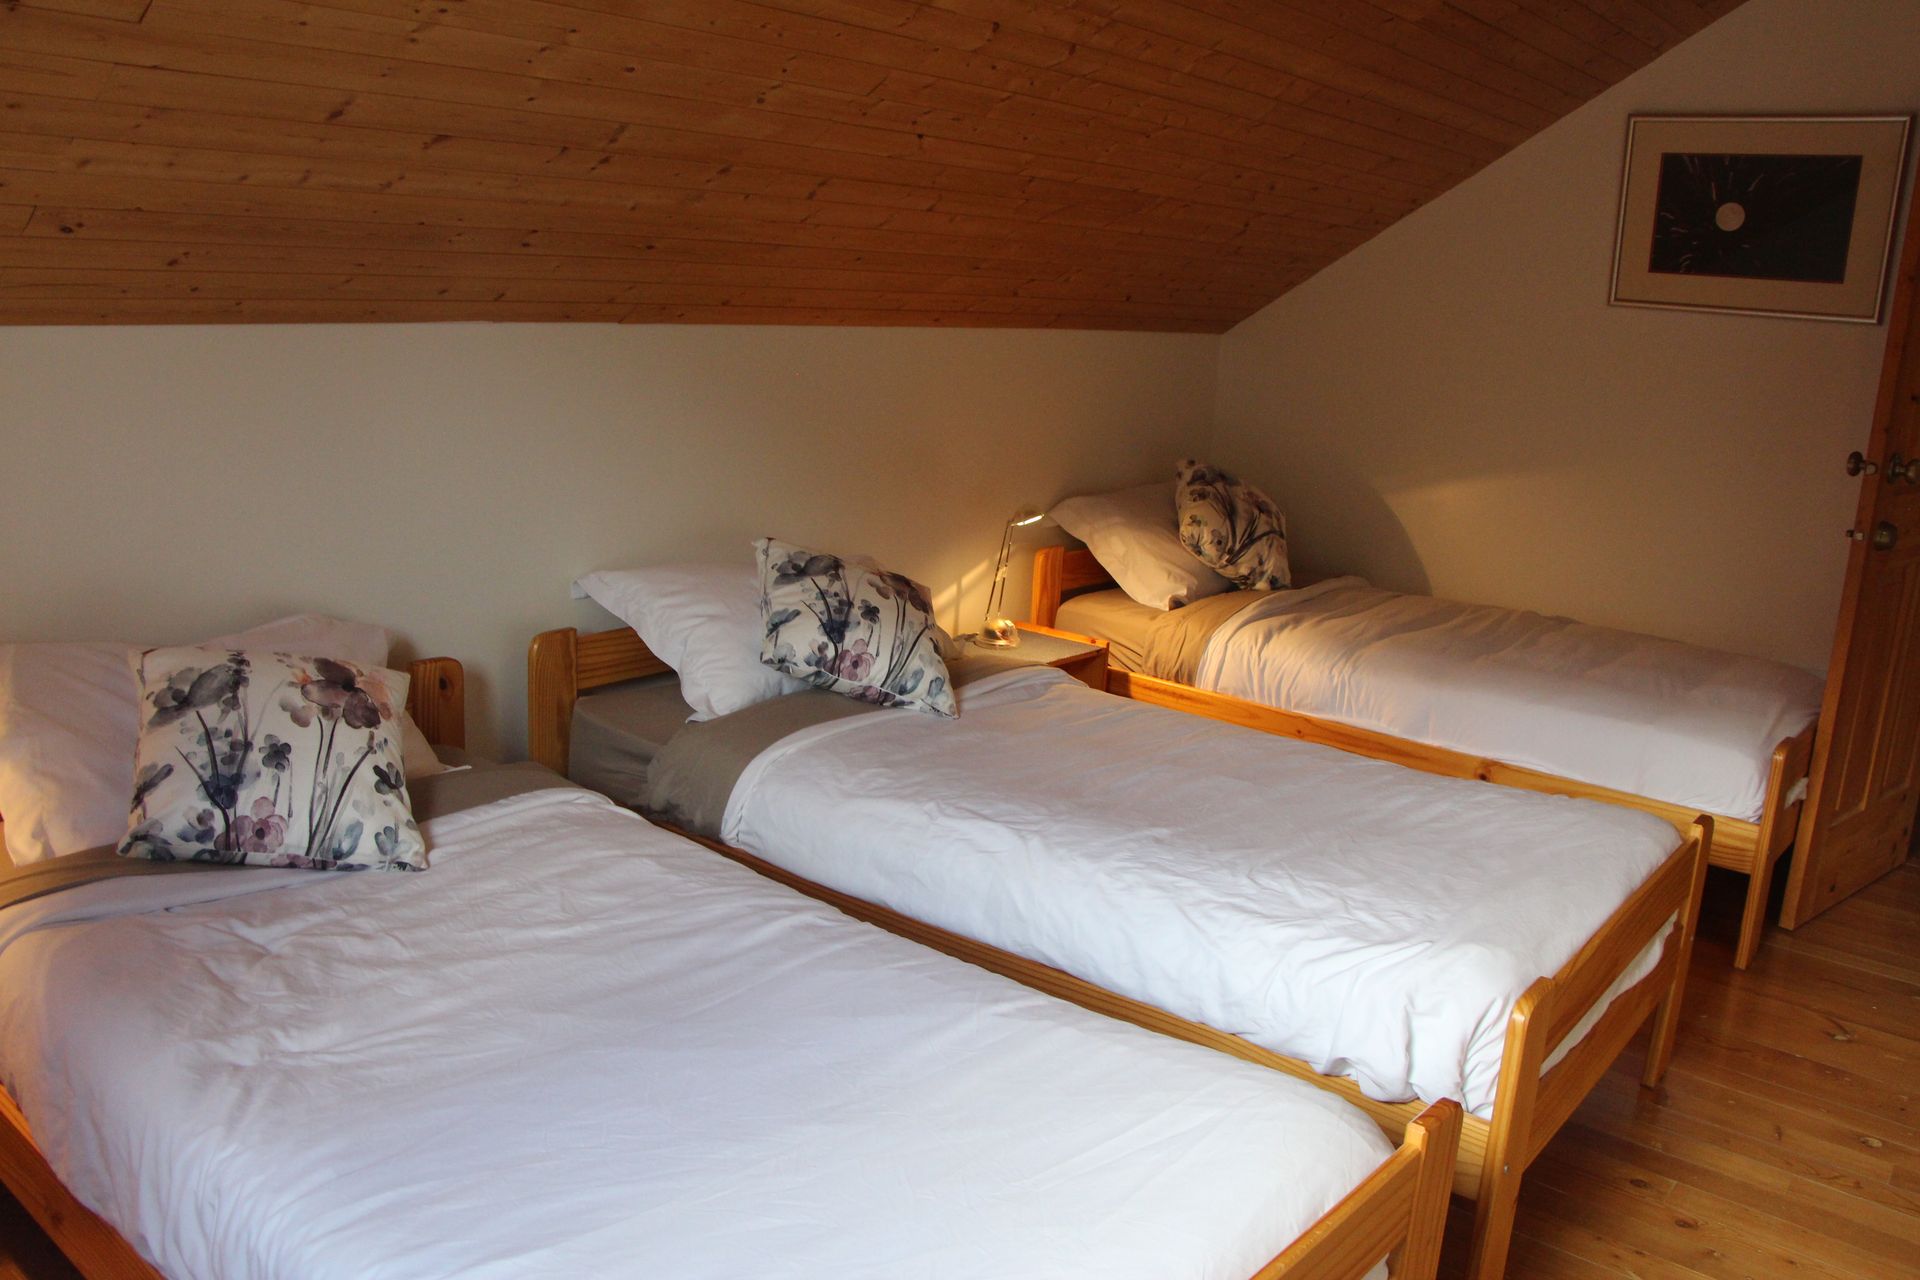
(1179, 637)
(691, 780)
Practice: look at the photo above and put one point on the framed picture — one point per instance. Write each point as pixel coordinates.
(1759, 215)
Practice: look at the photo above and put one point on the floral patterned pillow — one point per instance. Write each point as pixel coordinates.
(1231, 527)
(270, 760)
(852, 627)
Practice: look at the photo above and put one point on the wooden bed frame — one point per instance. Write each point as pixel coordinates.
(437, 701)
(1530, 1104)
(1753, 849)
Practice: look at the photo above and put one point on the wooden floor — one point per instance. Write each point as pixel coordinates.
(1786, 1141)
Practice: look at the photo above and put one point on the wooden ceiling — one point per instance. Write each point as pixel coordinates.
(1129, 164)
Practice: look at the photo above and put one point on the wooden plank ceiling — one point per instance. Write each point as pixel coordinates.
(1129, 164)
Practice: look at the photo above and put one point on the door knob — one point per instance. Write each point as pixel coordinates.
(1857, 465)
(1907, 469)
(1885, 534)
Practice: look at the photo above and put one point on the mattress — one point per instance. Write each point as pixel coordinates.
(1370, 920)
(1113, 616)
(1691, 726)
(618, 730)
(581, 1047)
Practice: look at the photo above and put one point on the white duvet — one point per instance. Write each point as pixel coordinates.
(578, 1047)
(1676, 722)
(1373, 921)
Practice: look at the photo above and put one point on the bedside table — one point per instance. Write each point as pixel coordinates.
(1082, 657)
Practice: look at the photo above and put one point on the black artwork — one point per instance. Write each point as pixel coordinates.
(1756, 217)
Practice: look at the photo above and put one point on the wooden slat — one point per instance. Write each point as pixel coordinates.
(1155, 164)
(118, 10)
(42, 257)
(80, 171)
(424, 243)
(300, 311)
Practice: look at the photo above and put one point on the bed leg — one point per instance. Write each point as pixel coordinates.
(1753, 921)
(1493, 1217)
(1510, 1136)
(1666, 1018)
(1437, 1131)
(1666, 1029)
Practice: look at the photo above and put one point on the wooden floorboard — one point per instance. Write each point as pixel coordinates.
(1784, 1143)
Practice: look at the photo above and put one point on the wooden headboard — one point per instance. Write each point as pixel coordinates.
(560, 664)
(1059, 572)
(437, 700)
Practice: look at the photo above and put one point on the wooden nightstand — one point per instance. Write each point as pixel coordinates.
(1082, 657)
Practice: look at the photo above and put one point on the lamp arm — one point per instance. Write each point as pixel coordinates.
(996, 593)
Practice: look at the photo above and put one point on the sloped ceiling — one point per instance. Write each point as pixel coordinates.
(1131, 164)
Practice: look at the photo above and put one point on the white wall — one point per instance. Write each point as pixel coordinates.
(450, 480)
(1455, 408)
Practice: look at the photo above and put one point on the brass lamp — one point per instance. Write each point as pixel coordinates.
(998, 630)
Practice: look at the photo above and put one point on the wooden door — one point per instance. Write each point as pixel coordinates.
(1865, 783)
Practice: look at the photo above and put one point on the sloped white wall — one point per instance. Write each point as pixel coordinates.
(1455, 408)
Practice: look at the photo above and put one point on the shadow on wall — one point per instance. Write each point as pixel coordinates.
(1348, 512)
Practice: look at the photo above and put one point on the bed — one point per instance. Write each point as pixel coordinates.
(1537, 1051)
(1471, 691)
(642, 1060)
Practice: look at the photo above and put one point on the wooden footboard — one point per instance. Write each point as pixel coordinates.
(1532, 1103)
(1399, 1212)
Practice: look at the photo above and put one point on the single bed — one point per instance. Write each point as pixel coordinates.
(579, 1046)
(1472, 691)
(956, 869)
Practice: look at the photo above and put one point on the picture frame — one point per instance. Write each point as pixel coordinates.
(1759, 215)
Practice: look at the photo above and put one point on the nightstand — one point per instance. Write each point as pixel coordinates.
(1082, 657)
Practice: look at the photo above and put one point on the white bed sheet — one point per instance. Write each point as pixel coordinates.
(1373, 921)
(1676, 722)
(579, 1047)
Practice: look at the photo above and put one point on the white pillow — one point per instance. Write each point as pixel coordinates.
(312, 635)
(70, 719)
(1132, 534)
(703, 620)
